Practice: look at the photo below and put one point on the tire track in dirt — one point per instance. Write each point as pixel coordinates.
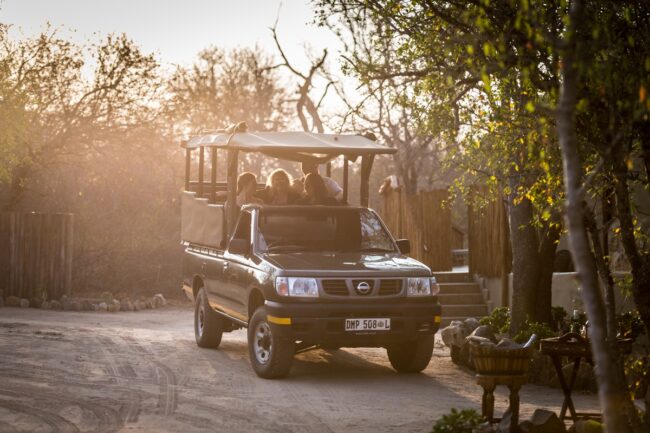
(108, 419)
(54, 421)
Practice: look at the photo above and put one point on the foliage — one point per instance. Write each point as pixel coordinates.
(629, 324)
(498, 320)
(637, 372)
(559, 315)
(577, 322)
(542, 330)
(463, 421)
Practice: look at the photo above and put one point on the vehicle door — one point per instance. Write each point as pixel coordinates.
(238, 267)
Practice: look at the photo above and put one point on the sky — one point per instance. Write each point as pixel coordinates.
(177, 29)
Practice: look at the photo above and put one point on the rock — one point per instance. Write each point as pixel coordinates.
(87, 305)
(454, 335)
(75, 305)
(586, 426)
(471, 323)
(544, 421)
(148, 304)
(35, 302)
(46, 305)
(159, 300)
(126, 305)
(103, 306)
(504, 424)
(485, 332)
(24, 303)
(114, 306)
(13, 301)
(56, 305)
(541, 370)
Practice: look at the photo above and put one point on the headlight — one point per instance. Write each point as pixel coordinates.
(435, 288)
(292, 286)
(418, 287)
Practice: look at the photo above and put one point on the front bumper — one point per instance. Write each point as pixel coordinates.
(324, 323)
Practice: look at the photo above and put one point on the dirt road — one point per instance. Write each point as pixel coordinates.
(142, 371)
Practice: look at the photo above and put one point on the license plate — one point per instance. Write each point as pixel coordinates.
(367, 324)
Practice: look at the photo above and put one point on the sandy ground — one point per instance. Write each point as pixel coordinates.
(142, 372)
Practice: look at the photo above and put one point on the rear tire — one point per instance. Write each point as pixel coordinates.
(271, 356)
(411, 357)
(208, 325)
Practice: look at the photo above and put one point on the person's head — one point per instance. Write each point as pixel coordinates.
(315, 187)
(279, 181)
(309, 167)
(246, 182)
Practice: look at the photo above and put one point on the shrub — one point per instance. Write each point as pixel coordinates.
(463, 421)
(498, 320)
(629, 324)
(558, 315)
(542, 330)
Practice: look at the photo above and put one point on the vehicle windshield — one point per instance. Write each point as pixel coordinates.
(336, 229)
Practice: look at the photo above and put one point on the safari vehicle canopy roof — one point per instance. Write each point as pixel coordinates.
(287, 142)
(207, 222)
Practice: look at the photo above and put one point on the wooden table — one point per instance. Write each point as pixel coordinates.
(575, 348)
(489, 382)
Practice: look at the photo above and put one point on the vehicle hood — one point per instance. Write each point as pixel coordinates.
(312, 263)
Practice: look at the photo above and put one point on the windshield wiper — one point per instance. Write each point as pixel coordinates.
(374, 250)
(286, 248)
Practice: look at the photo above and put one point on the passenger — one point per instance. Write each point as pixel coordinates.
(333, 188)
(246, 188)
(316, 191)
(278, 189)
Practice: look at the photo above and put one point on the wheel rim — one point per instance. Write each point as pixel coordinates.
(200, 323)
(262, 343)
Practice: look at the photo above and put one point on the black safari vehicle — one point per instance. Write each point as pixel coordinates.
(303, 276)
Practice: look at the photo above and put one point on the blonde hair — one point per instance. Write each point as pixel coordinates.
(275, 173)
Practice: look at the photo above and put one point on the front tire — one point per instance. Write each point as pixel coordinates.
(411, 357)
(208, 325)
(271, 356)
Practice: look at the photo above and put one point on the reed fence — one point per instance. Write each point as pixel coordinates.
(425, 221)
(36, 254)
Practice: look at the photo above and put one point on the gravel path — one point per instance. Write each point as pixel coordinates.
(142, 372)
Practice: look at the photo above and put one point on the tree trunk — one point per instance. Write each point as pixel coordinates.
(639, 263)
(546, 258)
(525, 264)
(611, 394)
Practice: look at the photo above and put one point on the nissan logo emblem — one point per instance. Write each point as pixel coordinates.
(363, 288)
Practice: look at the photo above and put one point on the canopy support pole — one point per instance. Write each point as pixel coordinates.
(231, 204)
(188, 165)
(345, 179)
(201, 164)
(213, 176)
(366, 167)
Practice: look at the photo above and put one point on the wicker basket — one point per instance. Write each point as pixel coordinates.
(509, 362)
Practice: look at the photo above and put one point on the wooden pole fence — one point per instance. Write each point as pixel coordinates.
(36, 253)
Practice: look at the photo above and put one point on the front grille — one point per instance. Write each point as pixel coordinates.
(370, 283)
(335, 287)
(390, 287)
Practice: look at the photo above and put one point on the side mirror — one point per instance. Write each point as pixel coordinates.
(240, 247)
(404, 245)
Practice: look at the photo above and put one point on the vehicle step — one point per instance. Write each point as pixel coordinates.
(476, 310)
(460, 298)
(453, 277)
(449, 288)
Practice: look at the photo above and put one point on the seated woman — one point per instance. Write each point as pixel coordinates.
(278, 189)
(316, 191)
(246, 188)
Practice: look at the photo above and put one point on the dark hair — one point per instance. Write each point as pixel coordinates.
(244, 179)
(317, 184)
